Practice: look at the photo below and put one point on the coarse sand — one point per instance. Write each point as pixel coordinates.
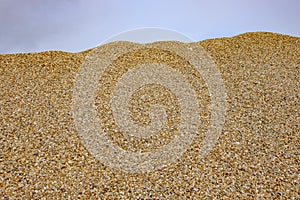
(256, 155)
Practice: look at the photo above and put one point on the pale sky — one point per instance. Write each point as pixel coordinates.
(77, 25)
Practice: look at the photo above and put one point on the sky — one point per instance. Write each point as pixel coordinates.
(78, 25)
